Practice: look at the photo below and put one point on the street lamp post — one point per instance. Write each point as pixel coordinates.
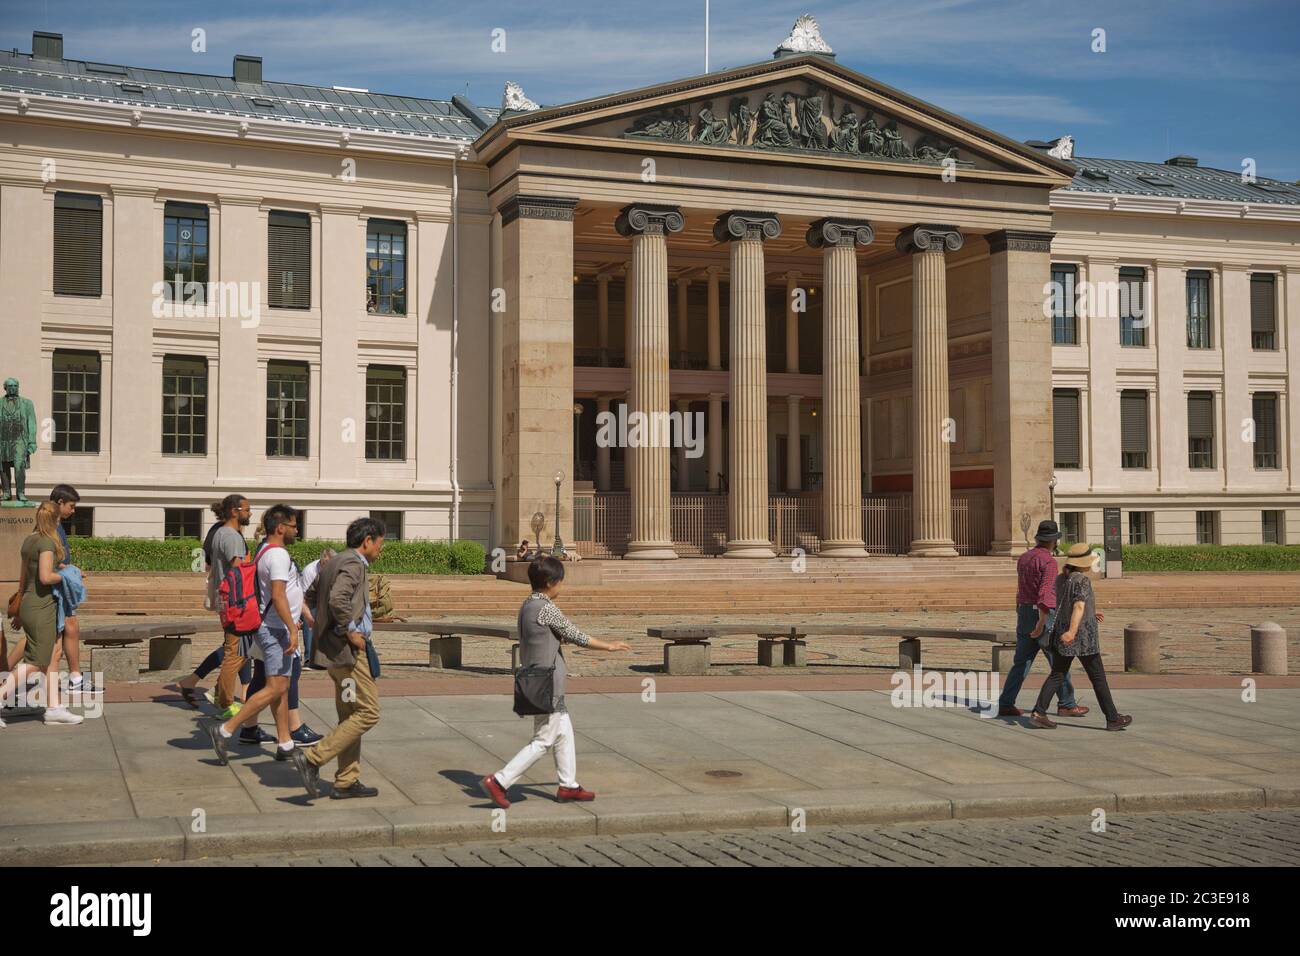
(557, 548)
(1051, 499)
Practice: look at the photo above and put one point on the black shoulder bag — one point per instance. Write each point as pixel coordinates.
(534, 690)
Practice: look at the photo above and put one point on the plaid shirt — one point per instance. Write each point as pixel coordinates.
(1036, 576)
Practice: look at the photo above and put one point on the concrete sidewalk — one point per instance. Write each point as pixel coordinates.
(141, 782)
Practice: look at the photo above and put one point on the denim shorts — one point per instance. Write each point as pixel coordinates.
(274, 644)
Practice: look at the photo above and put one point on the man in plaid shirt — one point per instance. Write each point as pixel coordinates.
(1035, 614)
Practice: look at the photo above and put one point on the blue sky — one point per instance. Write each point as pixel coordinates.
(1218, 80)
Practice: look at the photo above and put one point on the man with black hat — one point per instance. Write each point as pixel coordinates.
(1035, 609)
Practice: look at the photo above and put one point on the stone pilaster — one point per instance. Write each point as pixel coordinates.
(683, 323)
(1020, 264)
(793, 463)
(683, 463)
(792, 323)
(747, 503)
(714, 439)
(602, 317)
(602, 448)
(651, 490)
(536, 365)
(842, 403)
(931, 480)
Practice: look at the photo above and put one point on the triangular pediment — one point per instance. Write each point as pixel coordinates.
(802, 109)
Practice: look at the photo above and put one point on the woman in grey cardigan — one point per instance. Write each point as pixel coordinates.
(1076, 635)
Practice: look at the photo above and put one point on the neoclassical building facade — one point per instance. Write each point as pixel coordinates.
(873, 316)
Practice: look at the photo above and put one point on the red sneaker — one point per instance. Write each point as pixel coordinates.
(494, 790)
(565, 794)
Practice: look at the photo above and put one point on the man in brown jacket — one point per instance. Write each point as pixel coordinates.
(340, 598)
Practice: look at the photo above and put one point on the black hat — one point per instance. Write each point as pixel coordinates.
(1047, 531)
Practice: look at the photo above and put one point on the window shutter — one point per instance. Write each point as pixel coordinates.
(1262, 304)
(288, 269)
(1265, 414)
(1065, 427)
(1200, 415)
(78, 244)
(1133, 421)
(1133, 285)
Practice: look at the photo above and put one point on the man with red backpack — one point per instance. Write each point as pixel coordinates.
(264, 596)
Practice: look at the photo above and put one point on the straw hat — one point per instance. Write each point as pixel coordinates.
(1079, 557)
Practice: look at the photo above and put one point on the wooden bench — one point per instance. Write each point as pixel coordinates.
(116, 655)
(909, 644)
(445, 643)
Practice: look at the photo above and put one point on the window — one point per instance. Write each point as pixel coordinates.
(386, 267)
(302, 525)
(1200, 430)
(1072, 526)
(1273, 527)
(392, 522)
(1134, 446)
(1139, 527)
(1207, 527)
(81, 523)
(182, 523)
(1065, 326)
(385, 413)
(1065, 427)
(185, 406)
(1263, 316)
(286, 409)
(288, 260)
(76, 401)
(1198, 310)
(1132, 307)
(185, 250)
(1264, 412)
(78, 244)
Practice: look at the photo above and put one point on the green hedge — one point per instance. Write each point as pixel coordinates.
(1208, 557)
(179, 554)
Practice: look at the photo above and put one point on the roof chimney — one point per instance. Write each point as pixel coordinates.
(47, 46)
(248, 69)
(1182, 161)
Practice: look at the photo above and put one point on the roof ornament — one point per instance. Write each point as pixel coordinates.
(1062, 148)
(805, 37)
(513, 99)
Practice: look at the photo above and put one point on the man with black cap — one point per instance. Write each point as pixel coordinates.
(1035, 609)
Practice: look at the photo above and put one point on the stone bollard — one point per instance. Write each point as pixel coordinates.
(1142, 648)
(1268, 649)
(1004, 655)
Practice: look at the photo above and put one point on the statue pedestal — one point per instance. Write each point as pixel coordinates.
(15, 525)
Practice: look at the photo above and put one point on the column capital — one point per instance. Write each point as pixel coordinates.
(1016, 240)
(683, 282)
(927, 237)
(644, 218)
(836, 232)
(714, 272)
(746, 224)
(604, 277)
(794, 398)
(537, 207)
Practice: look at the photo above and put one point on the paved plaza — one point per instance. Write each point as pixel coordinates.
(141, 782)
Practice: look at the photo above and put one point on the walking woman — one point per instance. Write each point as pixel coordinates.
(42, 552)
(1076, 635)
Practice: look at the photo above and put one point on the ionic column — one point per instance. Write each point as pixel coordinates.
(683, 326)
(602, 317)
(714, 440)
(931, 480)
(792, 457)
(651, 490)
(602, 448)
(747, 503)
(791, 324)
(683, 463)
(841, 385)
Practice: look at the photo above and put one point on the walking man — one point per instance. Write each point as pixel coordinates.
(341, 644)
(1035, 612)
(228, 549)
(277, 637)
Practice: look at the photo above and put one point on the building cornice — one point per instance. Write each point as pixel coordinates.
(1172, 206)
(34, 106)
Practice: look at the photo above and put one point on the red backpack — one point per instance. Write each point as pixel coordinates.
(240, 601)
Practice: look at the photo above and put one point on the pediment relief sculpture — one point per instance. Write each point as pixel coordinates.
(788, 121)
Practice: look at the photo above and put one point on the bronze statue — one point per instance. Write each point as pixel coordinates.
(711, 129)
(812, 132)
(17, 442)
(870, 140)
(774, 131)
(844, 136)
(895, 146)
(741, 118)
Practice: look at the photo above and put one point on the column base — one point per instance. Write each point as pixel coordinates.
(749, 549)
(937, 548)
(650, 551)
(842, 549)
(1012, 549)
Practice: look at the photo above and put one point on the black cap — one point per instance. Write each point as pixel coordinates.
(1047, 531)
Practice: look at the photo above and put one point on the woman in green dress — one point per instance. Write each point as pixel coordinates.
(38, 576)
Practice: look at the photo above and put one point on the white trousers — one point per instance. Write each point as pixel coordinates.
(549, 731)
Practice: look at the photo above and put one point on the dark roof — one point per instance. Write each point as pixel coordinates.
(1128, 177)
(203, 93)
